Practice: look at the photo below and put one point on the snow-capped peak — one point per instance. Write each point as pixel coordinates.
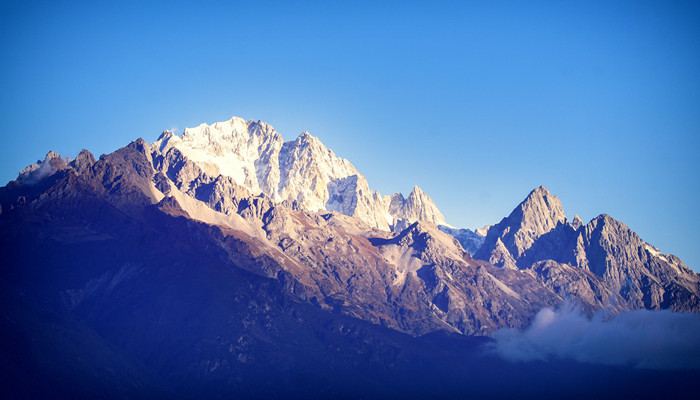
(305, 137)
(235, 148)
(303, 171)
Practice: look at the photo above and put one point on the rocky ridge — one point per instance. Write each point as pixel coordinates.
(629, 273)
(302, 172)
(419, 280)
(296, 213)
(159, 275)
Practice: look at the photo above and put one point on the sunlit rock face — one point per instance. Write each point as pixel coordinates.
(538, 214)
(302, 172)
(630, 273)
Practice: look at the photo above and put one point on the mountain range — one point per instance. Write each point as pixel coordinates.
(227, 260)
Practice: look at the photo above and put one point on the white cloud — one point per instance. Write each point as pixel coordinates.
(642, 338)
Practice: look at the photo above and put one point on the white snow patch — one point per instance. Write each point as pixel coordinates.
(655, 252)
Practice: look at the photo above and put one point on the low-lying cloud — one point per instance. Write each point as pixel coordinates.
(642, 338)
(41, 170)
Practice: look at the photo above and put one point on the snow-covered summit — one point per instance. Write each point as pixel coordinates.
(236, 148)
(302, 171)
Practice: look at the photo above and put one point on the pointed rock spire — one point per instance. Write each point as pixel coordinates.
(541, 211)
(538, 214)
(501, 257)
(305, 137)
(418, 206)
(51, 155)
(577, 222)
(83, 161)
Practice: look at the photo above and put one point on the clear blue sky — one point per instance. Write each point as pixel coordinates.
(477, 104)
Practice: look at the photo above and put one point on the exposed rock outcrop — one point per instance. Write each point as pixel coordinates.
(536, 237)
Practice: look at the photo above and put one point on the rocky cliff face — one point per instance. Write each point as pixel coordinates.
(471, 240)
(418, 206)
(430, 267)
(537, 237)
(636, 270)
(537, 215)
(302, 173)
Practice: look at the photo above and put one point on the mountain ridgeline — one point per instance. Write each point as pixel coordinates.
(228, 252)
(600, 258)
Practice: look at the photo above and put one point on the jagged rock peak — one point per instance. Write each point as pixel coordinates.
(255, 156)
(418, 206)
(541, 211)
(470, 240)
(500, 256)
(83, 161)
(166, 134)
(423, 207)
(231, 138)
(230, 128)
(418, 193)
(540, 193)
(538, 214)
(425, 236)
(306, 138)
(610, 227)
(626, 262)
(605, 218)
(85, 153)
(243, 150)
(577, 222)
(51, 155)
(140, 143)
(607, 223)
(41, 169)
(483, 231)
(306, 143)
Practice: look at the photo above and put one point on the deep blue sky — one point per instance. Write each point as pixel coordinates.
(478, 104)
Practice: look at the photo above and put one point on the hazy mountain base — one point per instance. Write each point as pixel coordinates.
(164, 321)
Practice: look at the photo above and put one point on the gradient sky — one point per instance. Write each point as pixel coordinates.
(478, 104)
